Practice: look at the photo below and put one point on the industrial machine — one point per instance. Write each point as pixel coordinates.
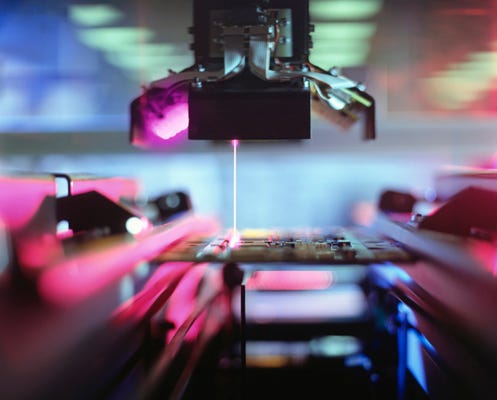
(104, 295)
(252, 80)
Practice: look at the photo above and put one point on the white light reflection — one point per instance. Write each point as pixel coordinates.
(335, 346)
(235, 236)
(135, 225)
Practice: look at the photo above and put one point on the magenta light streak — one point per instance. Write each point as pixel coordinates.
(73, 279)
(235, 237)
(183, 303)
(22, 197)
(157, 290)
(174, 121)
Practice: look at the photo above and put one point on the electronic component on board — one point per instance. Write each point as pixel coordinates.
(333, 246)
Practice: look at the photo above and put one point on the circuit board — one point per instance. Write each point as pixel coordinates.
(331, 246)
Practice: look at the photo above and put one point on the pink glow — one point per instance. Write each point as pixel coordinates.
(290, 280)
(75, 278)
(491, 163)
(364, 213)
(21, 198)
(35, 252)
(182, 304)
(234, 239)
(27, 207)
(484, 252)
(156, 291)
(174, 121)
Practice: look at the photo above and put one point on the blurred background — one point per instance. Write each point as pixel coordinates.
(69, 70)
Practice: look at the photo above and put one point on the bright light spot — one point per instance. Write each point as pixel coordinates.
(344, 44)
(485, 60)
(135, 225)
(94, 14)
(129, 48)
(114, 38)
(335, 346)
(343, 30)
(63, 228)
(344, 9)
(175, 120)
(62, 186)
(235, 235)
(462, 83)
(234, 239)
(451, 93)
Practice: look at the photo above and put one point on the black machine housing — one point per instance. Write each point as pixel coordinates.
(247, 107)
